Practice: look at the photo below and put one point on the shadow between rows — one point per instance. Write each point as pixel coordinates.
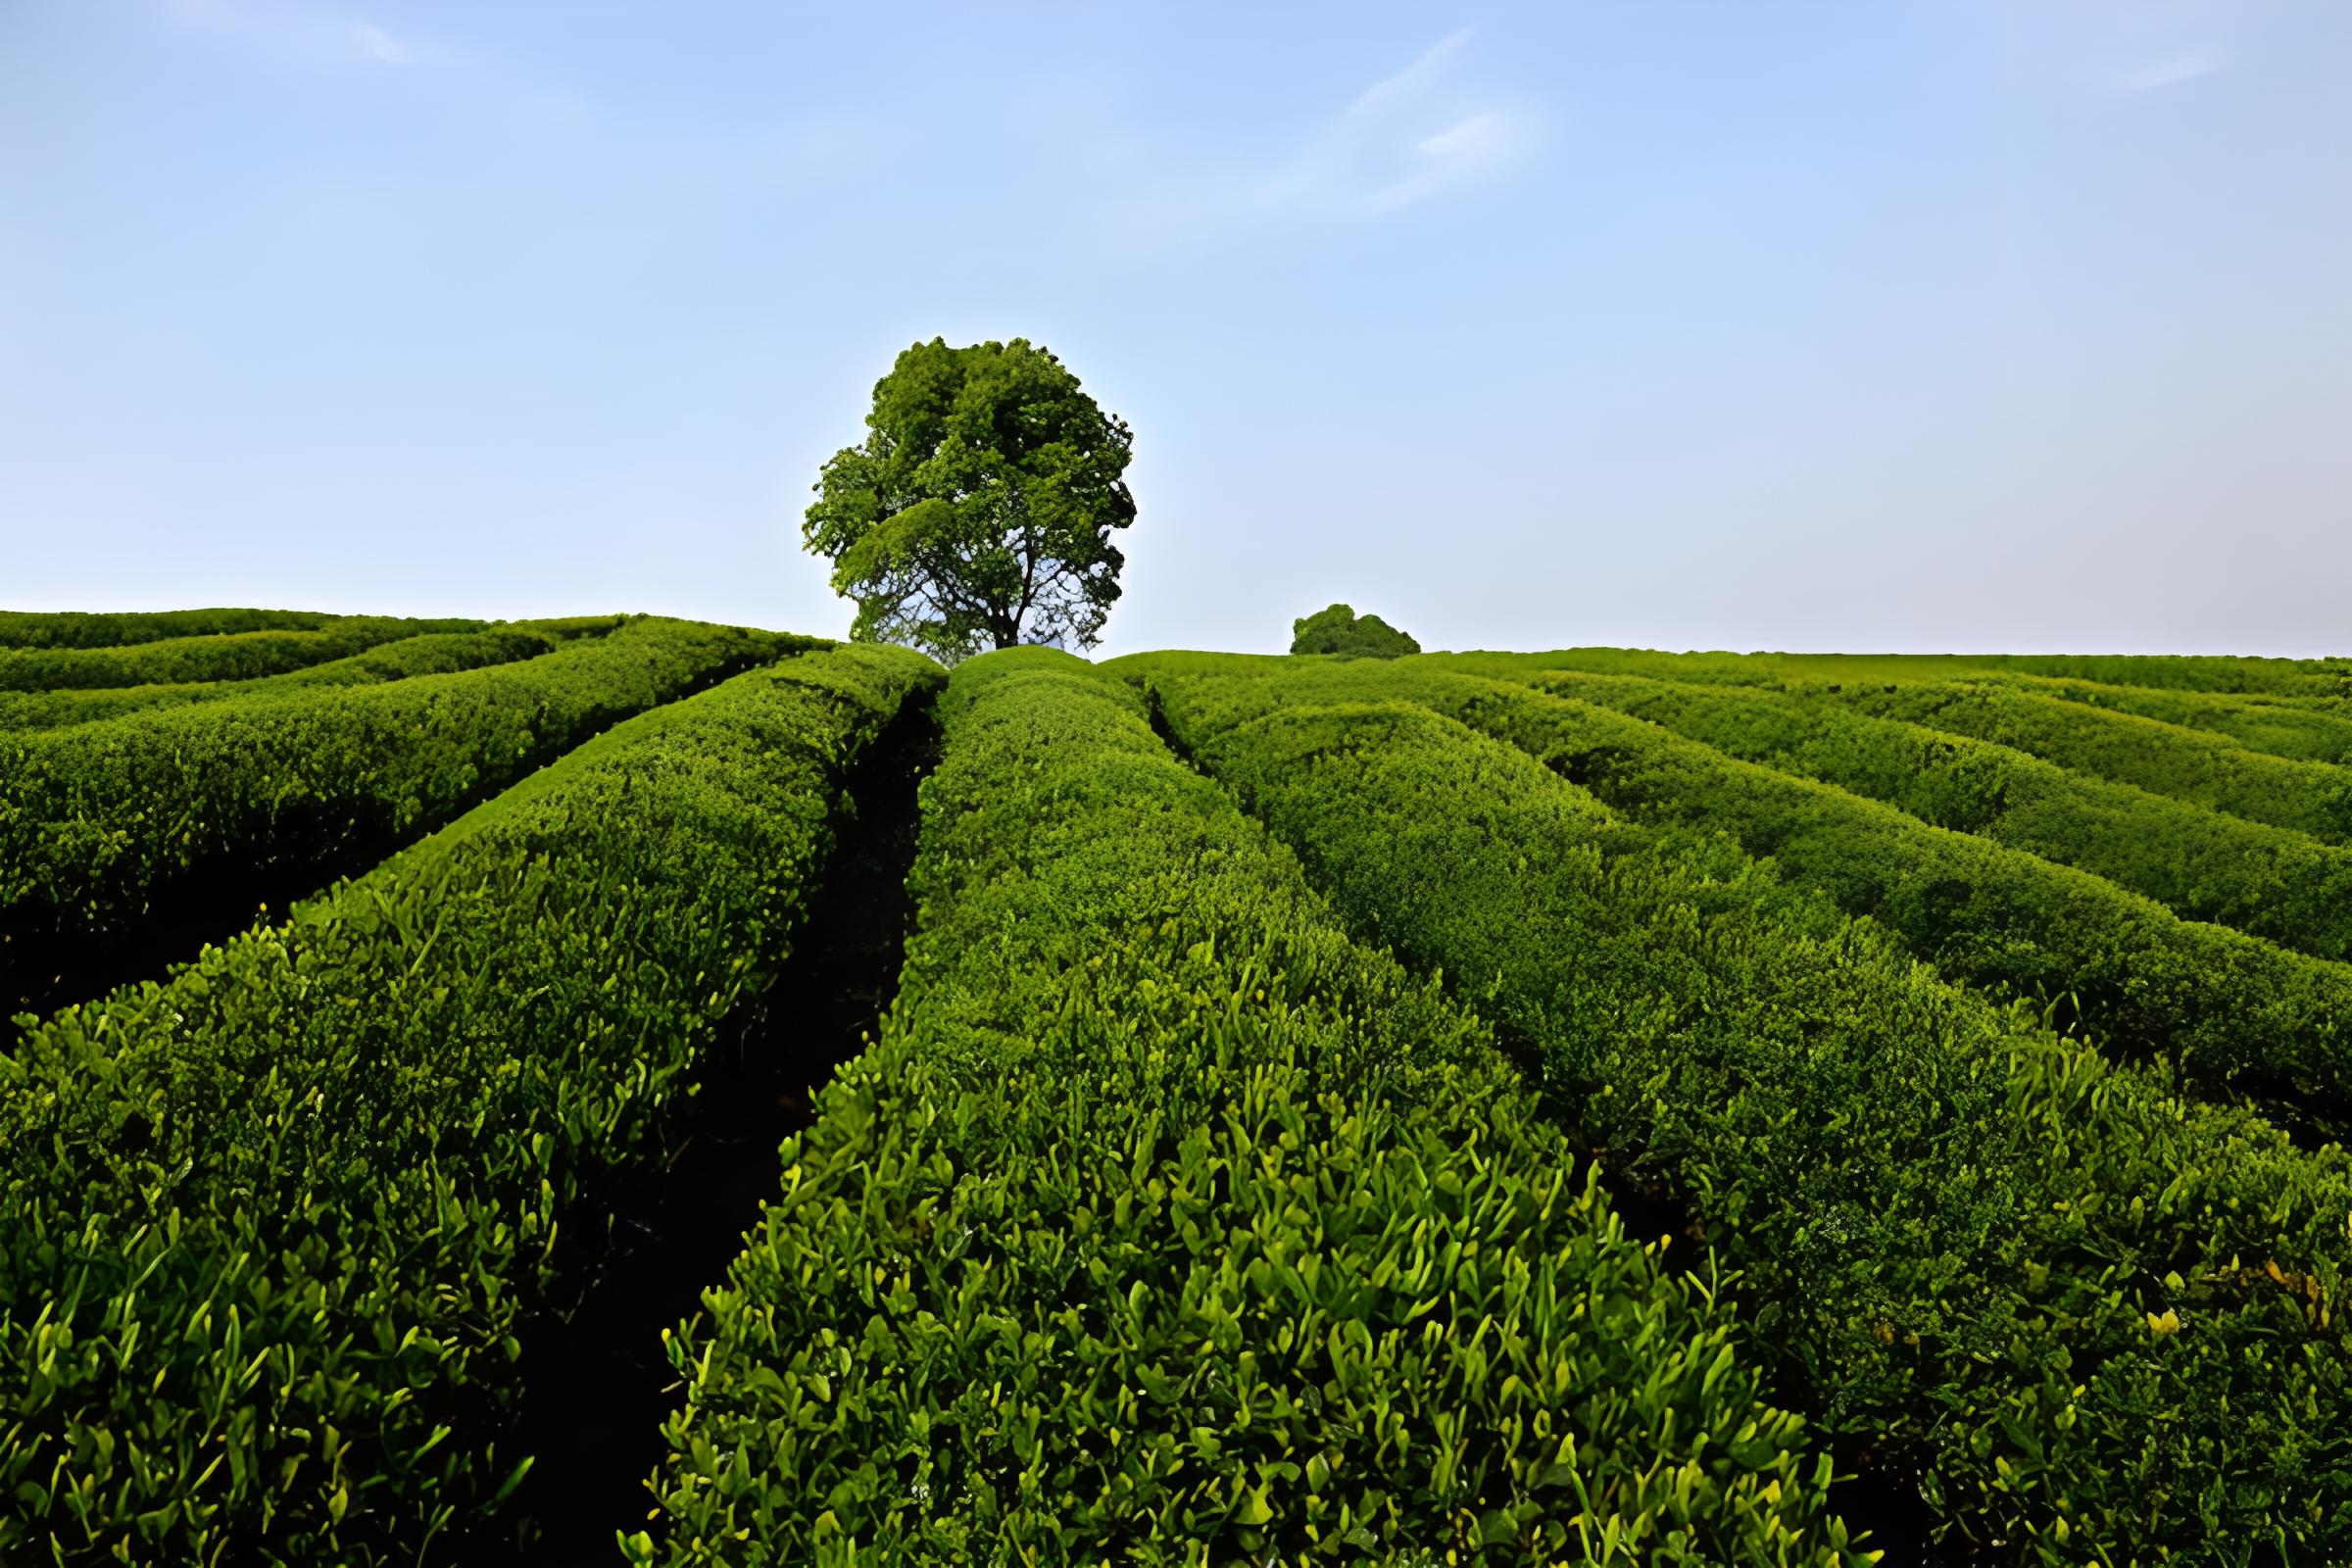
(597, 1380)
(1876, 1490)
(52, 957)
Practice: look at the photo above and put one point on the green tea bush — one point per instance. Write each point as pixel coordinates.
(2309, 729)
(2230, 1009)
(2164, 758)
(1165, 1225)
(563, 629)
(230, 656)
(273, 1227)
(2204, 747)
(2289, 677)
(2202, 864)
(2103, 1324)
(434, 654)
(93, 818)
(24, 629)
(2324, 680)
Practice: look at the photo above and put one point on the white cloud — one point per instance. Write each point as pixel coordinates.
(1413, 80)
(2181, 69)
(1469, 137)
(374, 43)
(1481, 143)
(1403, 139)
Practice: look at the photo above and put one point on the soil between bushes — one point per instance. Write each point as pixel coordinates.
(597, 1382)
(52, 957)
(1877, 1493)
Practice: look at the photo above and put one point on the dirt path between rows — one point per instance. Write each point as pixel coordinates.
(597, 1382)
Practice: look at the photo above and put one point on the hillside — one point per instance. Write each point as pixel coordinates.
(626, 1090)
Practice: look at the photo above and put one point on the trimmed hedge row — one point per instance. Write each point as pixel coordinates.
(1163, 1224)
(2165, 758)
(2296, 679)
(2229, 1009)
(2104, 1325)
(2288, 678)
(2302, 728)
(274, 1226)
(233, 656)
(2085, 725)
(2204, 865)
(563, 629)
(1737, 669)
(96, 817)
(434, 654)
(26, 629)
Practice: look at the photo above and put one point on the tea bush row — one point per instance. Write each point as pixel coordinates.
(2235, 673)
(2165, 758)
(2100, 1322)
(2211, 748)
(2230, 1009)
(2321, 681)
(95, 818)
(2202, 864)
(2309, 729)
(27, 628)
(434, 654)
(1165, 1225)
(229, 656)
(276, 1225)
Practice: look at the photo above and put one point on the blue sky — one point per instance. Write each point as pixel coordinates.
(1962, 325)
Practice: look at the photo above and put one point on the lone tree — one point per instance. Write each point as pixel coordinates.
(1338, 629)
(980, 506)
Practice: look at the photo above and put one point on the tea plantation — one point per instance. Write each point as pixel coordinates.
(631, 1091)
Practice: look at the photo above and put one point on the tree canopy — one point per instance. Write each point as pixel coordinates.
(1338, 629)
(979, 508)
